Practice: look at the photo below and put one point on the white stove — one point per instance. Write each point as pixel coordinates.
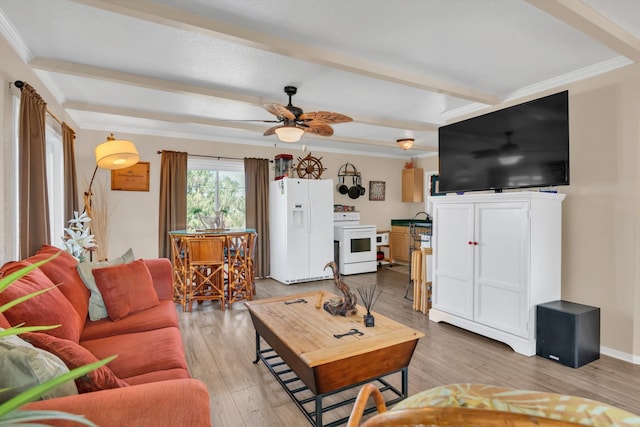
(357, 243)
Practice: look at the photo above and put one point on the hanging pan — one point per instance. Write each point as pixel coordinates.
(342, 187)
(360, 186)
(354, 191)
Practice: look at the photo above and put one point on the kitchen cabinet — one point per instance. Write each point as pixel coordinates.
(495, 257)
(413, 185)
(398, 244)
(400, 240)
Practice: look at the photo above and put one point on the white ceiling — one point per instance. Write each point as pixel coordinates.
(189, 68)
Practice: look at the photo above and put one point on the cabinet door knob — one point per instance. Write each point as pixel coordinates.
(475, 243)
(470, 242)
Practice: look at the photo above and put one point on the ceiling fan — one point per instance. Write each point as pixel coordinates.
(293, 122)
(505, 148)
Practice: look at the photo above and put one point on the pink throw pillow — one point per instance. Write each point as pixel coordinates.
(63, 272)
(74, 355)
(126, 288)
(47, 309)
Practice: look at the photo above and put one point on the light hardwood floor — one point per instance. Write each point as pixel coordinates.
(220, 348)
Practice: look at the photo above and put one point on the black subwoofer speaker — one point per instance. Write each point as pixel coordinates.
(568, 333)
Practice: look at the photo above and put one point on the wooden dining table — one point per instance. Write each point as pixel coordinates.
(239, 272)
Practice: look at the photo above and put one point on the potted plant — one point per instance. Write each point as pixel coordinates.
(10, 413)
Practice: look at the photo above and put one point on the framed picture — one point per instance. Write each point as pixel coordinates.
(133, 178)
(435, 186)
(376, 190)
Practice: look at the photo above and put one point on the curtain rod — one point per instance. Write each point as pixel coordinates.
(20, 84)
(214, 157)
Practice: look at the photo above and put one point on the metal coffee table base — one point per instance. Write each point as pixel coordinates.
(305, 398)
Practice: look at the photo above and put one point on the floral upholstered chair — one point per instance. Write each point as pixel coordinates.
(486, 405)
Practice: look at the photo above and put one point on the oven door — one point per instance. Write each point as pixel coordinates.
(358, 245)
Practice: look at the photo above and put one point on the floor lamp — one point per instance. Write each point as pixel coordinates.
(111, 154)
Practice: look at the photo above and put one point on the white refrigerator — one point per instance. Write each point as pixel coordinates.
(300, 229)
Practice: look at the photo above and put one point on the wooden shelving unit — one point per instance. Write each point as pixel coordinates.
(387, 258)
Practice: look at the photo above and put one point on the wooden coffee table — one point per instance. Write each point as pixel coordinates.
(306, 348)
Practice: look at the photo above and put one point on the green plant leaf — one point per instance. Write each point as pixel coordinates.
(23, 298)
(7, 280)
(9, 413)
(19, 329)
(37, 391)
(20, 418)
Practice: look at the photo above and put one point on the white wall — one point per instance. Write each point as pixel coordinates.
(134, 215)
(601, 217)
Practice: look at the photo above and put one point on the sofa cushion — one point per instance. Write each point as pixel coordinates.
(161, 271)
(140, 352)
(63, 272)
(163, 315)
(24, 366)
(97, 309)
(126, 288)
(74, 356)
(4, 323)
(47, 309)
(166, 403)
(164, 375)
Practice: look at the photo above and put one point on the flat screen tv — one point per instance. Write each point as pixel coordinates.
(523, 146)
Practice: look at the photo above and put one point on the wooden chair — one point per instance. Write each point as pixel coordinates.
(239, 277)
(251, 262)
(206, 270)
(440, 416)
(179, 263)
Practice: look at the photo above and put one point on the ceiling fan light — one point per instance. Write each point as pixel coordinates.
(289, 133)
(116, 154)
(405, 143)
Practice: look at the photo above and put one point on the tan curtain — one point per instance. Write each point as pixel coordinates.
(173, 198)
(256, 179)
(70, 178)
(34, 204)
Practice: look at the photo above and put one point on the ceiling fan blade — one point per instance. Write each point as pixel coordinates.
(271, 130)
(249, 120)
(270, 108)
(279, 110)
(326, 117)
(317, 128)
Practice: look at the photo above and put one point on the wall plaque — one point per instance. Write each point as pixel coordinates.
(133, 178)
(376, 190)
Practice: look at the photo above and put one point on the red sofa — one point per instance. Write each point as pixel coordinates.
(148, 383)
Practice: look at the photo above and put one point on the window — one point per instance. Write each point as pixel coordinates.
(10, 247)
(55, 185)
(215, 187)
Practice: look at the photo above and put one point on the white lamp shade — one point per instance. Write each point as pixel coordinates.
(289, 133)
(405, 143)
(116, 154)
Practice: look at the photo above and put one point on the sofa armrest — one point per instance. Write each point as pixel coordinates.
(162, 274)
(165, 403)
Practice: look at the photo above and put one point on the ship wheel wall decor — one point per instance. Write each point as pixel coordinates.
(309, 167)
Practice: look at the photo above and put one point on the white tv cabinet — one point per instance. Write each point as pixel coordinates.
(495, 257)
